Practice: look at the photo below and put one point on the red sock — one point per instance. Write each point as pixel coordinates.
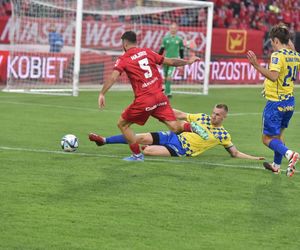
(135, 148)
(187, 127)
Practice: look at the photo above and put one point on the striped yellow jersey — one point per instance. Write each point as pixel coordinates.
(195, 145)
(287, 63)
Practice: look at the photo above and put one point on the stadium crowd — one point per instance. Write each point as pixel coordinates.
(237, 14)
(256, 14)
(5, 8)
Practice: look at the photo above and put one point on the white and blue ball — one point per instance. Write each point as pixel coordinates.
(69, 143)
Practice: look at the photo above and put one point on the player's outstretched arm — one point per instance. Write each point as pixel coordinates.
(180, 115)
(106, 86)
(180, 62)
(271, 75)
(237, 154)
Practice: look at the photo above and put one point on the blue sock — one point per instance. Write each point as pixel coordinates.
(277, 158)
(277, 146)
(116, 139)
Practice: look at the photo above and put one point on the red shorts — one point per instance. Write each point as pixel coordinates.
(143, 107)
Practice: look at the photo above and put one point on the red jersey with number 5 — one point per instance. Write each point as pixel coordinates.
(140, 67)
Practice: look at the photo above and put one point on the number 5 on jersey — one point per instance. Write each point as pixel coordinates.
(144, 65)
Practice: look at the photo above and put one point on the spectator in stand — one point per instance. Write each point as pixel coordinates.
(221, 17)
(261, 25)
(56, 40)
(243, 25)
(2, 11)
(229, 16)
(184, 19)
(257, 13)
(234, 24)
(244, 14)
(235, 7)
(89, 17)
(7, 7)
(201, 18)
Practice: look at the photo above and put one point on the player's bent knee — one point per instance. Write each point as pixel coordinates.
(267, 139)
(142, 139)
(122, 124)
(148, 151)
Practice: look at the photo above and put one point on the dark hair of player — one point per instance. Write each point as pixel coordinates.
(280, 32)
(222, 106)
(130, 36)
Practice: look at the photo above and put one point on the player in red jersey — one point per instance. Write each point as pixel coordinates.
(140, 66)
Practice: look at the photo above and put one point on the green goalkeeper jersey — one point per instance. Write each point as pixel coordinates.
(172, 45)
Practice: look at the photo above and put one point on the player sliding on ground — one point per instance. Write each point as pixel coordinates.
(278, 90)
(186, 143)
(140, 66)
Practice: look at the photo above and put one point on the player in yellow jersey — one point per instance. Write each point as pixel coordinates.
(278, 90)
(186, 143)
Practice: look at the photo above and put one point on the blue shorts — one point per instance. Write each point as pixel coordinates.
(170, 141)
(277, 116)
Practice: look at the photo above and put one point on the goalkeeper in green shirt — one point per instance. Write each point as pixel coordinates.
(173, 47)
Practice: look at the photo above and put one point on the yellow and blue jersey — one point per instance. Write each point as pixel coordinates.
(195, 145)
(287, 63)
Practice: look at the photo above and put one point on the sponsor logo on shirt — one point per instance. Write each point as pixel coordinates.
(286, 109)
(146, 84)
(155, 106)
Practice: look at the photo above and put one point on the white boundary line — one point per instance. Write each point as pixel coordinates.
(148, 159)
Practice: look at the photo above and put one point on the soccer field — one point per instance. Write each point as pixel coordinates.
(92, 199)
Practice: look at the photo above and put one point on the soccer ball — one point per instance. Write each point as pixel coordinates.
(69, 143)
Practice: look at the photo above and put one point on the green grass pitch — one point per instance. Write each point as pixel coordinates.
(91, 199)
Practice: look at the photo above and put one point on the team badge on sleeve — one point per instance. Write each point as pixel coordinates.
(275, 60)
